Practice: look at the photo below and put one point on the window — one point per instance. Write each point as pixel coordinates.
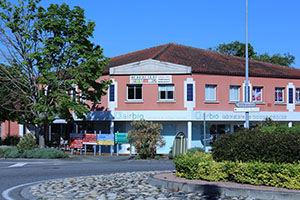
(234, 93)
(166, 92)
(134, 92)
(291, 95)
(210, 92)
(297, 95)
(189, 94)
(279, 92)
(112, 92)
(257, 94)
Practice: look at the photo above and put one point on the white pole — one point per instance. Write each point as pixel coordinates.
(247, 91)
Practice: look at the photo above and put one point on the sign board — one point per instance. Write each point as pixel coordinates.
(245, 104)
(76, 140)
(151, 79)
(90, 138)
(105, 139)
(76, 143)
(247, 109)
(121, 138)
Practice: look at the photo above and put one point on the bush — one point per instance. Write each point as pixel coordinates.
(1, 153)
(11, 152)
(195, 149)
(145, 137)
(254, 145)
(157, 157)
(202, 166)
(44, 153)
(27, 142)
(11, 140)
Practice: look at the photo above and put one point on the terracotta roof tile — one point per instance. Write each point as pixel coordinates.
(206, 62)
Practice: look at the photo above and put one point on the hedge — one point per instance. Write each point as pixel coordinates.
(12, 152)
(256, 145)
(202, 166)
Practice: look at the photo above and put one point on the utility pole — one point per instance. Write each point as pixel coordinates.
(247, 89)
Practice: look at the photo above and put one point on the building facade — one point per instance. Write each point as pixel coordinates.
(185, 89)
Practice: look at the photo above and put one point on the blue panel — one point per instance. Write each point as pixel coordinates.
(291, 99)
(189, 92)
(112, 93)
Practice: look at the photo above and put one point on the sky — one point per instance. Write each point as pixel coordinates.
(124, 26)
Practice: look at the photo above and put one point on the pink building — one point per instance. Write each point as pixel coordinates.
(179, 86)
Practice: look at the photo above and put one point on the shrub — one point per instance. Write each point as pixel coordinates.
(254, 145)
(11, 140)
(202, 166)
(157, 157)
(1, 153)
(44, 153)
(145, 137)
(27, 142)
(11, 152)
(196, 149)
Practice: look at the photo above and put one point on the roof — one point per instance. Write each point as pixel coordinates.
(205, 62)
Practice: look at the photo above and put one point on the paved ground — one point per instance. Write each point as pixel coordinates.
(14, 172)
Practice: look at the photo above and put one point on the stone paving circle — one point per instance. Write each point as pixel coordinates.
(127, 186)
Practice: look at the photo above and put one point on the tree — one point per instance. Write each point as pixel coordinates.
(235, 49)
(50, 66)
(238, 49)
(145, 137)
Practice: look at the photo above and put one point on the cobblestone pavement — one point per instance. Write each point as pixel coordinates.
(127, 186)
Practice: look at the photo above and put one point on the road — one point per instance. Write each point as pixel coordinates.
(15, 172)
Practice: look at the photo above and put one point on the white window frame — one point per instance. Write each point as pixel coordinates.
(210, 89)
(135, 85)
(231, 91)
(165, 88)
(282, 89)
(254, 89)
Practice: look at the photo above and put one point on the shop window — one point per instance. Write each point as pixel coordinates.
(112, 92)
(210, 92)
(166, 92)
(168, 130)
(297, 95)
(257, 94)
(189, 92)
(234, 93)
(279, 92)
(134, 92)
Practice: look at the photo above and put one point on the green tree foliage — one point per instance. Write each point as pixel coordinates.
(145, 137)
(239, 49)
(51, 65)
(235, 49)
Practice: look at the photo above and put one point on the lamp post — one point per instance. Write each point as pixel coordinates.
(247, 89)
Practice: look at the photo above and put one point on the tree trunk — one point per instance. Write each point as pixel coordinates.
(41, 137)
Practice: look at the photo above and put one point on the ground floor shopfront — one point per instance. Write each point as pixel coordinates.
(200, 127)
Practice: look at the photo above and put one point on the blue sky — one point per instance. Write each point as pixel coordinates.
(123, 26)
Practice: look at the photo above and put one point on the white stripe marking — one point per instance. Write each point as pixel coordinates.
(17, 165)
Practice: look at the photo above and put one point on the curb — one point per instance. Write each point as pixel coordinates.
(223, 191)
(27, 195)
